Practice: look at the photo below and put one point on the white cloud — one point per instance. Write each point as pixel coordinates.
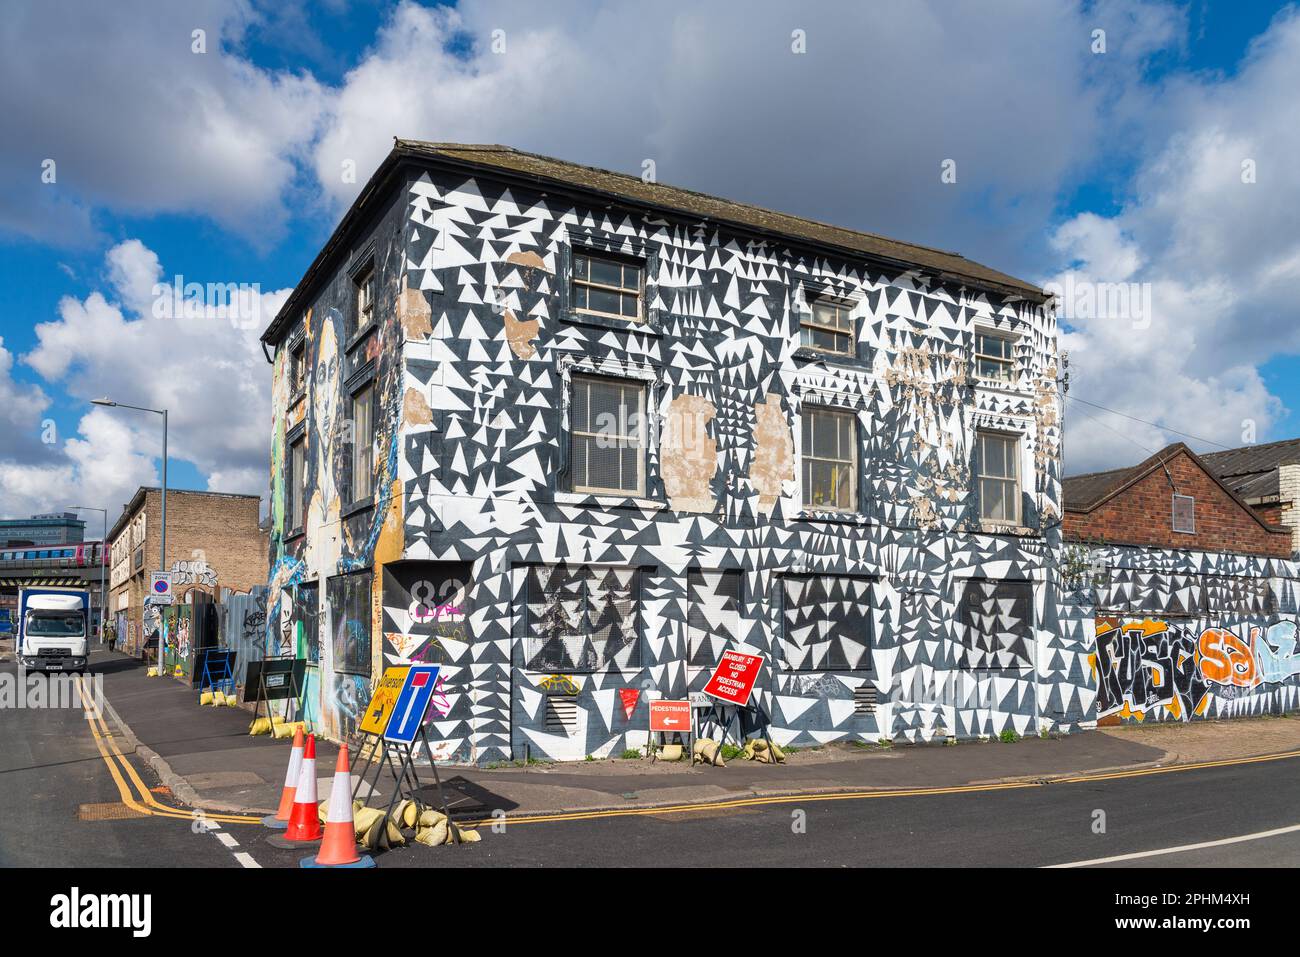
(134, 343)
(1219, 256)
(22, 408)
(138, 122)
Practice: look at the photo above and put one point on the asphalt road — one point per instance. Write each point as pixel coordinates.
(60, 795)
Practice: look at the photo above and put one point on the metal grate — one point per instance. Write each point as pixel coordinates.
(111, 811)
(864, 699)
(561, 714)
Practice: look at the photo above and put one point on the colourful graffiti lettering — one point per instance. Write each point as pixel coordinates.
(1226, 659)
(1145, 665)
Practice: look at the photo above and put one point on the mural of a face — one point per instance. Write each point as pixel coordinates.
(324, 543)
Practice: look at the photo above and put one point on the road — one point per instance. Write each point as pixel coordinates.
(66, 785)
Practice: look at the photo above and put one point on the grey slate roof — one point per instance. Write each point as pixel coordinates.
(632, 190)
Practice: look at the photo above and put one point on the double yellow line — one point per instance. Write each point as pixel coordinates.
(142, 799)
(868, 795)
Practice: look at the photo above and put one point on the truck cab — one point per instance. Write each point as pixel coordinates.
(52, 630)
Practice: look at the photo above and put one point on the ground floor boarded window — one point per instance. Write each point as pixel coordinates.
(713, 618)
(582, 618)
(826, 622)
(996, 625)
(305, 612)
(349, 601)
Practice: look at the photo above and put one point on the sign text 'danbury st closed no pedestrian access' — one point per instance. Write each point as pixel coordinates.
(733, 680)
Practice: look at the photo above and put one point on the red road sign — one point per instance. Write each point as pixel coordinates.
(670, 716)
(733, 680)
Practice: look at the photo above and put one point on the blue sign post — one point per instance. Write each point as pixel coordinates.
(405, 724)
(412, 703)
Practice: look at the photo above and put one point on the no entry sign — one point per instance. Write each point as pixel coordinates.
(670, 716)
(733, 680)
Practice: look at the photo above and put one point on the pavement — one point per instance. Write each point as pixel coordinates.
(208, 760)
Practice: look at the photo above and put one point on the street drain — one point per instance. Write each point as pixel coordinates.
(110, 811)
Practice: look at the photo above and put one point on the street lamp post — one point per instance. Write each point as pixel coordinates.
(103, 555)
(162, 551)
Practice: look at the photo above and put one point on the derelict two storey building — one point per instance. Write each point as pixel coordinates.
(570, 434)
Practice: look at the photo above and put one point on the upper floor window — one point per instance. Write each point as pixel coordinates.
(365, 308)
(998, 474)
(606, 286)
(1185, 514)
(993, 356)
(828, 326)
(363, 442)
(830, 459)
(295, 484)
(608, 436)
(298, 369)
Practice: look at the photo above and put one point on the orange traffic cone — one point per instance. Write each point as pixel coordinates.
(304, 820)
(339, 849)
(280, 819)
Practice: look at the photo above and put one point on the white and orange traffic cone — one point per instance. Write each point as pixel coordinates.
(339, 848)
(280, 819)
(304, 820)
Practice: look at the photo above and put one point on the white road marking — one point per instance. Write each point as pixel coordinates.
(246, 859)
(1257, 836)
(227, 840)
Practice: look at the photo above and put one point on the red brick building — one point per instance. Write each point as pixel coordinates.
(1174, 499)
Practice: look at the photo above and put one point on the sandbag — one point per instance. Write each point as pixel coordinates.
(260, 726)
(433, 835)
(670, 752)
(205, 698)
(707, 751)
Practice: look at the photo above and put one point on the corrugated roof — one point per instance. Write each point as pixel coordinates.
(1251, 471)
(636, 191)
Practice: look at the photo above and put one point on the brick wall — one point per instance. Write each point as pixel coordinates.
(219, 529)
(1142, 515)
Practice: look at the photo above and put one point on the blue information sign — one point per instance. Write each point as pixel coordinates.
(412, 702)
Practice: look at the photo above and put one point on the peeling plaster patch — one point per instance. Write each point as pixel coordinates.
(414, 312)
(528, 259)
(773, 452)
(688, 456)
(520, 334)
(415, 408)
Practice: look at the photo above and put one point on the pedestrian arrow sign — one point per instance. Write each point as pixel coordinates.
(670, 716)
(411, 704)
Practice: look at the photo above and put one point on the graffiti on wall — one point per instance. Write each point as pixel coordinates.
(1150, 664)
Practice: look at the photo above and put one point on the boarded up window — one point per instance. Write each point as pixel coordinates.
(582, 618)
(349, 599)
(996, 625)
(713, 616)
(1184, 514)
(826, 623)
(305, 614)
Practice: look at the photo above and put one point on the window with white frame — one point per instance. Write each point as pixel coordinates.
(607, 286)
(830, 459)
(365, 308)
(998, 477)
(607, 425)
(828, 326)
(295, 484)
(363, 442)
(994, 356)
(1184, 514)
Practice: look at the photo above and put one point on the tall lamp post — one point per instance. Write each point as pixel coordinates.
(162, 551)
(103, 556)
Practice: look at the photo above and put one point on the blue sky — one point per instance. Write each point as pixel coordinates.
(1118, 166)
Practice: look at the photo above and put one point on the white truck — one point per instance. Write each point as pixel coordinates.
(52, 629)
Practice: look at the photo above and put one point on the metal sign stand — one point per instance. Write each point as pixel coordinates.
(717, 710)
(408, 774)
